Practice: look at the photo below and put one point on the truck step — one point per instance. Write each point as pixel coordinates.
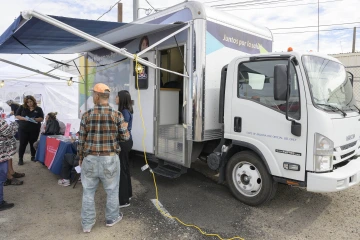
(169, 171)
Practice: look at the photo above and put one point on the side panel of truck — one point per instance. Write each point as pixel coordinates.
(119, 76)
(224, 43)
(254, 118)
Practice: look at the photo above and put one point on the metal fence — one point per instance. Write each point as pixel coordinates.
(355, 70)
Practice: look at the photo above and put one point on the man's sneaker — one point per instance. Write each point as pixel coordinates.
(64, 182)
(86, 230)
(4, 205)
(124, 205)
(110, 223)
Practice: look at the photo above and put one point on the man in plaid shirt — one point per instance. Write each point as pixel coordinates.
(100, 130)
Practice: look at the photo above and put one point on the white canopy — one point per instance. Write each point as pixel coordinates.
(53, 95)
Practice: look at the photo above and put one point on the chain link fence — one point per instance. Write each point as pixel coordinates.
(355, 70)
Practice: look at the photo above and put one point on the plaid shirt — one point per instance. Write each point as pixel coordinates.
(7, 140)
(100, 130)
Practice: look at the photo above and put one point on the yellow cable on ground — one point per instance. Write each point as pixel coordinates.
(137, 70)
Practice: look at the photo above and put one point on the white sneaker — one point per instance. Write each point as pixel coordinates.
(64, 182)
(124, 205)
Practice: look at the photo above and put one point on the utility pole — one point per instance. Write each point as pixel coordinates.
(341, 47)
(135, 9)
(354, 40)
(120, 12)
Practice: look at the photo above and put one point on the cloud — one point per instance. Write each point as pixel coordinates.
(285, 17)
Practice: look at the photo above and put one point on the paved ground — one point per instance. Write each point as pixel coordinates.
(45, 210)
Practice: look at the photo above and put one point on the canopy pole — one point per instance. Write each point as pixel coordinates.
(29, 14)
(30, 69)
(163, 40)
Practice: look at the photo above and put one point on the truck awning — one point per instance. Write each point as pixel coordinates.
(37, 36)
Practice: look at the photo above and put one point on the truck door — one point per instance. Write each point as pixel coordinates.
(258, 120)
(146, 80)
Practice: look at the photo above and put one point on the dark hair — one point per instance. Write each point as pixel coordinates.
(29, 97)
(125, 101)
(52, 115)
(141, 40)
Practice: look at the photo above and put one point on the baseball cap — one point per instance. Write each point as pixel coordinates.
(101, 88)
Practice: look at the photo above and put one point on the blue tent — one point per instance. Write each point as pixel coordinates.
(36, 36)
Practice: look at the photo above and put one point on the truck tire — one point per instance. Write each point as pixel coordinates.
(249, 180)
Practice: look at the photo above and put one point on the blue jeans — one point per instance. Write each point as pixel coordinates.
(107, 170)
(3, 176)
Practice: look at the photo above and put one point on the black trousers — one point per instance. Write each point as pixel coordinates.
(70, 160)
(26, 137)
(125, 188)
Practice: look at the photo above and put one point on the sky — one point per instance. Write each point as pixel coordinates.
(295, 17)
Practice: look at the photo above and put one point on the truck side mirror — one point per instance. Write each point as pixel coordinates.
(351, 78)
(280, 82)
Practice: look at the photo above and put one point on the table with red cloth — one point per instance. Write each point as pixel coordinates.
(51, 151)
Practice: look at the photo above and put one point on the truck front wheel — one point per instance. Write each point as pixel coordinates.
(249, 180)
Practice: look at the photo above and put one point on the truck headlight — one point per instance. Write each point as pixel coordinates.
(323, 153)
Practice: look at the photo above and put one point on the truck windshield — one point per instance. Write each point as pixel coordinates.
(329, 84)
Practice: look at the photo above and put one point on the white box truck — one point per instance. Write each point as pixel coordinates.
(259, 118)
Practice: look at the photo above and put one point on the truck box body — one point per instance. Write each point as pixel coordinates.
(213, 38)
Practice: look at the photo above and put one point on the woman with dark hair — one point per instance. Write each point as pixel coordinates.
(123, 99)
(52, 126)
(144, 43)
(30, 116)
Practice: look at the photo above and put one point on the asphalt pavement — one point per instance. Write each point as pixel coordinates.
(45, 210)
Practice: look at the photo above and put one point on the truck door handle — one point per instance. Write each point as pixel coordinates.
(237, 124)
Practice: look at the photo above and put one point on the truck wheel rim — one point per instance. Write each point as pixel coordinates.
(247, 179)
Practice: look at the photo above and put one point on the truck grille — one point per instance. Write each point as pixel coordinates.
(347, 146)
(348, 154)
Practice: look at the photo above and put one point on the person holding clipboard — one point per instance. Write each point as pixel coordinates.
(30, 117)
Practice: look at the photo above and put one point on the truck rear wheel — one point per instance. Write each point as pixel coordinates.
(249, 180)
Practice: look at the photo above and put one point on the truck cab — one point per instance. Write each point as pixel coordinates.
(288, 118)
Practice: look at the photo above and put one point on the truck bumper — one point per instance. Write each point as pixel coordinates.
(340, 179)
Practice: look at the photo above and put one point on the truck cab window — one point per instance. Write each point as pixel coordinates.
(256, 83)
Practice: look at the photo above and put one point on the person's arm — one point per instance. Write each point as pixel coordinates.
(40, 118)
(12, 110)
(82, 139)
(124, 134)
(127, 117)
(62, 127)
(8, 130)
(42, 128)
(18, 114)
